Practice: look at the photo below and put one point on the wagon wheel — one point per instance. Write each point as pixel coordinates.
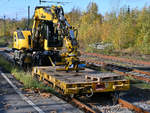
(115, 97)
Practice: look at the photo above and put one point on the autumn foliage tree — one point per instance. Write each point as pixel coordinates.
(127, 30)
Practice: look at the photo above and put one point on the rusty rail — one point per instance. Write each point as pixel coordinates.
(83, 106)
(142, 72)
(139, 62)
(128, 105)
(132, 75)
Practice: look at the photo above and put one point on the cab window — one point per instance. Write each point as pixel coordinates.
(15, 38)
(20, 35)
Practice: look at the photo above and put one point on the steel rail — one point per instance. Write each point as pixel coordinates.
(142, 72)
(129, 105)
(83, 106)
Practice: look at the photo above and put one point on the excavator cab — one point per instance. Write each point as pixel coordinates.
(48, 37)
(44, 32)
(22, 40)
(22, 46)
(51, 37)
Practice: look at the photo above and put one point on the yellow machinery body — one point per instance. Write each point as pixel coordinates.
(22, 40)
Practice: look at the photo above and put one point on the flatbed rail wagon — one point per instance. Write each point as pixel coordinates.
(84, 82)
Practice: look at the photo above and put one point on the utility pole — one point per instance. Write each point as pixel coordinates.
(28, 17)
(128, 9)
(4, 26)
(40, 1)
(16, 16)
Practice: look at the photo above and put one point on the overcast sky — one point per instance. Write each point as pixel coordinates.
(18, 8)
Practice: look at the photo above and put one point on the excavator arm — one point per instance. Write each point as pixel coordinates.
(71, 55)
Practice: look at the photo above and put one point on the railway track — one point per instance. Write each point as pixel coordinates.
(116, 59)
(118, 108)
(95, 108)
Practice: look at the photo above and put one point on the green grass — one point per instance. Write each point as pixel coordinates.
(3, 41)
(6, 41)
(24, 77)
(5, 64)
(142, 85)
(138, 83)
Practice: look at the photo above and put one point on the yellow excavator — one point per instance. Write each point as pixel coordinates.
(44, 44)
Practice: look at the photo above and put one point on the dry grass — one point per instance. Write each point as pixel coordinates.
(24, 77)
